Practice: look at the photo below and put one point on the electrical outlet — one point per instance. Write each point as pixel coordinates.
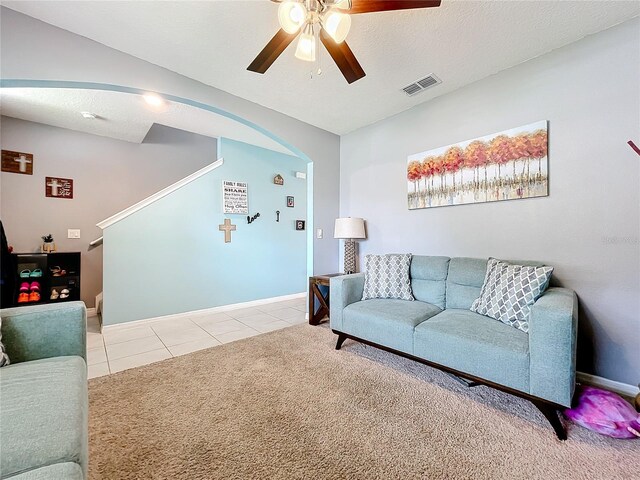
(319, 233)
(73, 233)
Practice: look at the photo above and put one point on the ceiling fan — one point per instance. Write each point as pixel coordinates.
(329, 21)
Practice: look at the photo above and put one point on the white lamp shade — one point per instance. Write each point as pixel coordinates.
(349, 227)
(291, 16)
(306, 49)
(337, 25)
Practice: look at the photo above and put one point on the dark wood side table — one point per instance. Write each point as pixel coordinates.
(315, 293)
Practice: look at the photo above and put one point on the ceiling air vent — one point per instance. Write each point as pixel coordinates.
(421, 85)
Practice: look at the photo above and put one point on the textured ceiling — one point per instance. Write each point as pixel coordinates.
(214, 42)
(120, 115)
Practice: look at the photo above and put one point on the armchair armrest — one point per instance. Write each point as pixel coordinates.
(344, 290)
(553, 332)
(44, 331)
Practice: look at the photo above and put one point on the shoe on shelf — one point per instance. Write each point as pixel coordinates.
(34, 297)
(35, 286)
(23, 298)
(57, 271)
(37, 273)
(65, 291)
(24, 287)
(25, 273)
(64, 295)
(54, 294)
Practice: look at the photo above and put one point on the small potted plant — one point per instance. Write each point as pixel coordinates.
(48, 245)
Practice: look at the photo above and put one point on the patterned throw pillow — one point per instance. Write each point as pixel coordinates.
(509, 291)
(4, 358)
(387, 276)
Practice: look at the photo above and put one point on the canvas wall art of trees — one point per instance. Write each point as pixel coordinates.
(503, 166)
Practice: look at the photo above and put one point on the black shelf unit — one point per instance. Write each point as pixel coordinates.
(60, 271)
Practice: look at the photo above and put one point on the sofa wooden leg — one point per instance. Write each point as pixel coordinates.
(341, 338)
(553, 416)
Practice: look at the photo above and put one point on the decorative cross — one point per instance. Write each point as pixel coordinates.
(227, 228)
(22, 160)
(54, 187)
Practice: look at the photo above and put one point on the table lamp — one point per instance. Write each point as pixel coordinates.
(349, 229)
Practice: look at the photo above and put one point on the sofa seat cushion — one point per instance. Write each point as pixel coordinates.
(58, 471)
(475, 344)
(387, 322)
(44, 414)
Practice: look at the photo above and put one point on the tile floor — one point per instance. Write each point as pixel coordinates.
(114, 351)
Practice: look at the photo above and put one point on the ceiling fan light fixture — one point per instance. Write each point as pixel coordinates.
(343, 4)
(306, 49)
(291, 16)
(337, 25)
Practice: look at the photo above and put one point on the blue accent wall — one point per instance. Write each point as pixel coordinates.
(171, 258)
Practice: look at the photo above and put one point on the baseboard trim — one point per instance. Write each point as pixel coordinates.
(204, 311)
(601, 382)
(91, 312)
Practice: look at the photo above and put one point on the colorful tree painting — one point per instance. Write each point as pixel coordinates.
(490, 168)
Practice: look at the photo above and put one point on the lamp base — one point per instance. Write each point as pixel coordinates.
(349, 257)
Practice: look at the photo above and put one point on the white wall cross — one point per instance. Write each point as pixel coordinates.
(54, 187)
(22, 160)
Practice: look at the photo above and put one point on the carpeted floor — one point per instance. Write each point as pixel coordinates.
(286, 405)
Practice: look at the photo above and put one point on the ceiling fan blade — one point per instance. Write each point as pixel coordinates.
(344, 58)
(369, 6)
(271, 51)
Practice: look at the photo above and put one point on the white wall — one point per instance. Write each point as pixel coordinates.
(108, 176)
(31, 49)
(589, 226)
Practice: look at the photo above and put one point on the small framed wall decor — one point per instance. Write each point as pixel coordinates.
(58, 187)
(300, 224)
(290, 201)
(278, 180)
(17, 162)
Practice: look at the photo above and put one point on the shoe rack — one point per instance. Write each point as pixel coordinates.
(47, 278)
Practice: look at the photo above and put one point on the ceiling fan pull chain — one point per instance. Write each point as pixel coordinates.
(318, 53)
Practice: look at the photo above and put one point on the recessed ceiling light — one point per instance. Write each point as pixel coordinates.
(88, 115)
(153, 99)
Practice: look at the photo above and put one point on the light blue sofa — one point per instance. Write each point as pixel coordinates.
(43, 393)
(438, 329)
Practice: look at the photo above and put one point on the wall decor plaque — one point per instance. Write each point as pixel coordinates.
(235, 198)
(300, 224)
(17, 162)
(290, 201)
(278, 180)
(58, 187)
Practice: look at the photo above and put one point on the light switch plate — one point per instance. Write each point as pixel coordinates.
(319, 233)
(73, 233)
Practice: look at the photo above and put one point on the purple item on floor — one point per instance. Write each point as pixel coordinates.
(605, 413)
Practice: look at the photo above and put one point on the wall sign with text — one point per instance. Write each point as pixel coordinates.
(58, 187)
(235, 197)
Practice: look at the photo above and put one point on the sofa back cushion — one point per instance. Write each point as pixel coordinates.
(464, 281)
(428, 279)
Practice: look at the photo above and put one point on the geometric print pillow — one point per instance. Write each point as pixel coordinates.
(509, 291)
(4, 358)
(387, 276)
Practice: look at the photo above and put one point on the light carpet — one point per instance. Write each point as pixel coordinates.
(286, 405)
